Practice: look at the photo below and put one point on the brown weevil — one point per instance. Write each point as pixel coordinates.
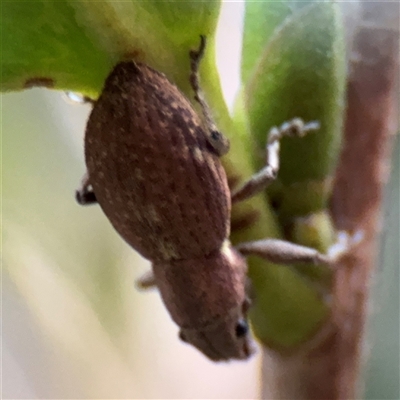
(153, 166)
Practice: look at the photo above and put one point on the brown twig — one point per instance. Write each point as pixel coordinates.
(372, 116)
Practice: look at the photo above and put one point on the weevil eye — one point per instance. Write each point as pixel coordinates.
(182, 337)
(241, 329)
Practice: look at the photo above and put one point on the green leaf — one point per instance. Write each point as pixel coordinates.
(72, 45)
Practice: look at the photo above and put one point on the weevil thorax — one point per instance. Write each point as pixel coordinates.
(206, 298)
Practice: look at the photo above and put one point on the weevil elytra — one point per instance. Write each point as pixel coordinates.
(153, 166)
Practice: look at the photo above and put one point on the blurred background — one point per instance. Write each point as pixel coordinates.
(73, 324)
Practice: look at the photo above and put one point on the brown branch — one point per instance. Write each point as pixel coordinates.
(372, 117)
(329, 368)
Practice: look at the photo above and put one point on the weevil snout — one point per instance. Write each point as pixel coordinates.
(228, 338)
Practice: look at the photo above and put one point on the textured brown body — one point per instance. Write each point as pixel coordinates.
(162, 186)
(152, 169)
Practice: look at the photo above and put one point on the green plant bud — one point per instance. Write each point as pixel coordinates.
(300, 73)
(261, 21)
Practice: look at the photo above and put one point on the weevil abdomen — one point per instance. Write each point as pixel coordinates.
(151, 168)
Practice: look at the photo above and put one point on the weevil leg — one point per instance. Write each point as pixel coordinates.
(260, 180)
(84, 195)
(146, 281)
(215, 138)
(283, 252)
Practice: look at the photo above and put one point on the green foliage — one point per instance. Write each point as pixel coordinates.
(75, 44)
